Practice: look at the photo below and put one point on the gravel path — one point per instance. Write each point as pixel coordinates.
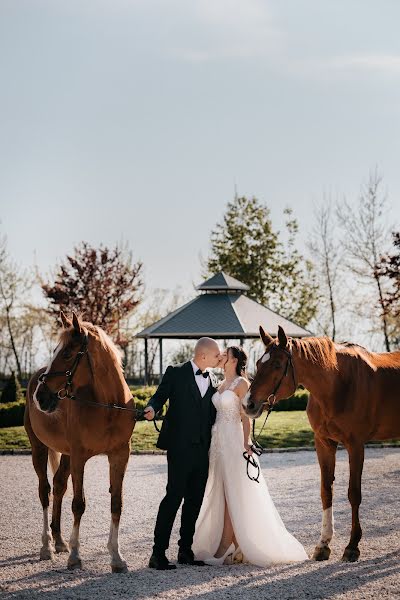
(294, 484)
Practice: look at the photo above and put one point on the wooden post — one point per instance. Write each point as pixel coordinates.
(241, 342)
(161, 360)
(146, 363)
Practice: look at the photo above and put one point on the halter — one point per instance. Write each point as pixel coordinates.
(270, 402)
(66, 391)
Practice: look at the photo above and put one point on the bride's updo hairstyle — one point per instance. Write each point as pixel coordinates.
(240, 354)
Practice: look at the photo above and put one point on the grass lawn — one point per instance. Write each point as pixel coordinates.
(284, 429)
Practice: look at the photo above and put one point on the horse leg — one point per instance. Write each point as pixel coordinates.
(326, 451)
(118, 461)
(356, 460)
(78, 508)
(39, 459)
(59, 488)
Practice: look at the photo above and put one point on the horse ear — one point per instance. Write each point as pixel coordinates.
(76, 323)
(282, 337)
(65, 321)
(266, 338)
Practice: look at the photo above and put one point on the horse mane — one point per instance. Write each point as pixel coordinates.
(324, 352)
(106, 342)
(321, 351)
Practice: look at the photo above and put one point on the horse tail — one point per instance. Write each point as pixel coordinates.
(54, 460)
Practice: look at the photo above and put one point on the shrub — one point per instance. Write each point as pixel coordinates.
(297, 402)
(12, 414)
(12, 391)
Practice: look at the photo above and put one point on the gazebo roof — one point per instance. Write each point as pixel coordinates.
(222, 281)
(221, 311)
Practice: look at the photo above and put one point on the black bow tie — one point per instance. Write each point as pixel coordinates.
(200, 372)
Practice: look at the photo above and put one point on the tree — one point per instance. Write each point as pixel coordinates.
(246, 246)
(390, 269)
(364, 241)
(13, 287)
(327, 255)
(103, 285)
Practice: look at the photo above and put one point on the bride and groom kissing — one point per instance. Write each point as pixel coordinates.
(205, 432)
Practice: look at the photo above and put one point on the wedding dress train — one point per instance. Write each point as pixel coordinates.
(259, 530)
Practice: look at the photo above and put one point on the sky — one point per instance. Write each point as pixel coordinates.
(134, 120)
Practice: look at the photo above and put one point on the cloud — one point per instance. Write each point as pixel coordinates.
(378, 62)
(226, 29)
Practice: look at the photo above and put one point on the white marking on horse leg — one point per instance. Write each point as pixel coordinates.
(46, 551)
(327, 528)
(117, 560)
(74, 559)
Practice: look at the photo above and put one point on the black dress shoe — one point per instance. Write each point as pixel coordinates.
(186, 557)
(160, 562)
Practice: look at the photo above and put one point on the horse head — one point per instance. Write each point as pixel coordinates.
(274, 378)
(66, 366)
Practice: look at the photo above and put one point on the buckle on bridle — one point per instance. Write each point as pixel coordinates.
(268, 401)
(63, 393)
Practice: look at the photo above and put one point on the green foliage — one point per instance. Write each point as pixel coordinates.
(296, 402)
(246, 246)
(12, 413)
(12, 391)
(142, 397)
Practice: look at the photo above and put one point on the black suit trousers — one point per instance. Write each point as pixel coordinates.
(187, 478)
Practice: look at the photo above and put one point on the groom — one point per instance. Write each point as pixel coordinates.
(186, 435)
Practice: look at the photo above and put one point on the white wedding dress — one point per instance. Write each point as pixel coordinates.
(259, 530)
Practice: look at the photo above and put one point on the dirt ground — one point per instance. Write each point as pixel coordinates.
(293, 481)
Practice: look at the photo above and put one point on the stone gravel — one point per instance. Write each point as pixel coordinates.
(293, 480)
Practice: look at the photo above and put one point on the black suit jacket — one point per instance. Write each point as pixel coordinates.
(189, 417)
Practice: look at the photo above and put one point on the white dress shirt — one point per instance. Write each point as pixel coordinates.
(202, 382)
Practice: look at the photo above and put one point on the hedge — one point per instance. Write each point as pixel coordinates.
(12, 414)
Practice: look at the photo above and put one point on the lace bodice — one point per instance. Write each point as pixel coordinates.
(227, 404)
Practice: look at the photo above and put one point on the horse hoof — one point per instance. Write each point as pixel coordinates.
(123, 568)
(46, 553)
(321, 553)
(76, 563)
(351, 555)
(62, 547)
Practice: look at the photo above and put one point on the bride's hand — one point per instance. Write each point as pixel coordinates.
(248, 449)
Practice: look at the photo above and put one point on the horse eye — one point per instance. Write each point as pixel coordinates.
(66, 354)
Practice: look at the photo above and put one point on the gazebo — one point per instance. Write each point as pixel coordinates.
(222, 311)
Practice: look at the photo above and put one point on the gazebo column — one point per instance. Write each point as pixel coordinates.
(146, 362)
(161, 360)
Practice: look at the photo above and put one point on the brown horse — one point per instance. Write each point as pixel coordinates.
(354, 398)
(69, 412)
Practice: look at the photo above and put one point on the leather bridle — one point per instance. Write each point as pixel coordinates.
(270, 402)
(66, 391)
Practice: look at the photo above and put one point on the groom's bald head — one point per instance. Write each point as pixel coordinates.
(206, 353)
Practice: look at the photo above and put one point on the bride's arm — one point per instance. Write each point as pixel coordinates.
(241, 391)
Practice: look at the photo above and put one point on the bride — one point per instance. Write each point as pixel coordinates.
(238, 520)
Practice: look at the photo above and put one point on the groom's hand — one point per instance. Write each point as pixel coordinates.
(149, 413)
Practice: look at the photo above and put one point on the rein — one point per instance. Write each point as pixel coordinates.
(66, 391)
